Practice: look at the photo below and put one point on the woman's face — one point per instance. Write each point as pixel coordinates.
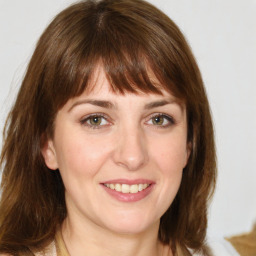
(121, 157)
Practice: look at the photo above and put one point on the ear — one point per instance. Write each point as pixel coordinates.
(188, 152)
(49, 154)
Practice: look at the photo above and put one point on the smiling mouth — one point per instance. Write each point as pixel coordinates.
(126, 188)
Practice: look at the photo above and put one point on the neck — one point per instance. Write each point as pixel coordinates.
(91, 239)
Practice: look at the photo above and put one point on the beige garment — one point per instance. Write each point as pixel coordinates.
(245, 244)
(56, 248)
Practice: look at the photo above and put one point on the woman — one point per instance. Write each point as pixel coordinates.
(109, 146)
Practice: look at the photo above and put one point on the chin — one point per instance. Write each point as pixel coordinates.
(131, 224)
(128, 228)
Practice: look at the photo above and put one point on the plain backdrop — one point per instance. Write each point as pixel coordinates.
(222, 34)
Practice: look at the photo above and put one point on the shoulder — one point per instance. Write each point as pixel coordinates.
(222, 247)
(50, 250)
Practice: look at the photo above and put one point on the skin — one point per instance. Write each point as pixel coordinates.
(131, 141)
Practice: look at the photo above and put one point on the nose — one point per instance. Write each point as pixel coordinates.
(131, 149)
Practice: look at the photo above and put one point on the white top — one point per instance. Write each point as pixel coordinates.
(221, 247)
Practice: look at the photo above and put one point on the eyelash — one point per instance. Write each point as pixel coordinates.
(170, 120)
(85, 120)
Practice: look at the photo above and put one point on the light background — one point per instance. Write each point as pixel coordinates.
(222, 34)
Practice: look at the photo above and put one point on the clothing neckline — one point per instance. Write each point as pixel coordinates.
(61, 248)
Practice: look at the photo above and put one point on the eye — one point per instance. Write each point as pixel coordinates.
(161, 120)
(95, 121)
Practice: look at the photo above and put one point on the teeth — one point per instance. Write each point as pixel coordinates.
(125, 188)
(118, 187)
(134, 189)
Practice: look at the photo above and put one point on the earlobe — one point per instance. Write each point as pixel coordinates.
(49, 154)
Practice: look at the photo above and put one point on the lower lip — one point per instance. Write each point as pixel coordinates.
(129, 197)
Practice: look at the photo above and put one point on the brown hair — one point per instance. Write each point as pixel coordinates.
(127, 37)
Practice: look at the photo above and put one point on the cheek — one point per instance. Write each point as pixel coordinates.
(170, 154)
(80, 155)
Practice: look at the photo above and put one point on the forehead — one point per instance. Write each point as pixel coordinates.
(100, 78)
(100, 92)
(101, 85)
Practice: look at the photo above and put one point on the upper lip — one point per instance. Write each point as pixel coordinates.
(128, 181)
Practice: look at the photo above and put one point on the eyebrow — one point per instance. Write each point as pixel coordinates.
(109, 105)
(159, 103)
(99, 103)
